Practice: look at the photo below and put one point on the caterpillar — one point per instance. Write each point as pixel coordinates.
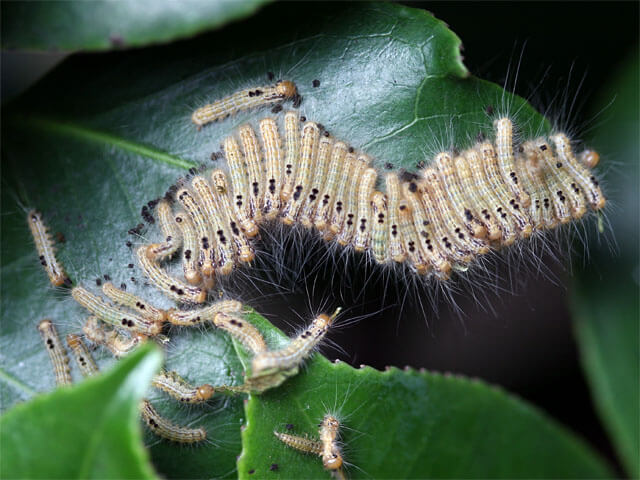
(291, 356)
(117, 343)
(134, 302)
(83, 357)
(57, 352)
(46, 249)
(456, 210)
(178, 388)
(243, 100)
(116, 317)
(206, 314)
(239, 328)
(302, 444)
(168, 430)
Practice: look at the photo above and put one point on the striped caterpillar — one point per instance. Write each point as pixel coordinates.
(461, 207)
(57, 352)
(46, 249)
(243, 100)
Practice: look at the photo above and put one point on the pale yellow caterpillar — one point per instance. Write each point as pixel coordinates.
(292, 154)
(241, 329)
(364, 222)
(83, 357)
(318, 180)
(114, 341)
(506, 161)
(239, 186)
(174, 385)
(350, 207)
(167, 284)
(253, 159)
(298, 349)
(340, 201)
(168, 430)
(396, 248)
(244, 249)
(308, 152)
(191, 248)
(243, 100)
(134, 302)
(206, 259)
(172, 237)
(110, 314)
(56, 351)
(46, 249)
(302, 444)
(331, 455)
(328, 193)
(206, 314)
(273, 162)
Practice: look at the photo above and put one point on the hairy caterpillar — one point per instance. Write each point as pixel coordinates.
(291, 356)
(56, 351)
(178, 388)
(114, 341)
(243, 100)
(46, 249)
(83, 357)
(239, 328)
(134, 302)
(168, 430)
(110, 314)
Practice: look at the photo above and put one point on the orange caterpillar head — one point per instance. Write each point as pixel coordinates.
(286, 88)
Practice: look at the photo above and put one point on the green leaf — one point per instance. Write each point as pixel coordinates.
(90, 430)
(408, 424)
(100, 137)
(104, 25)
(605, 297)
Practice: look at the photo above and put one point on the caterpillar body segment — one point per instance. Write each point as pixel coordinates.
(513, 206)
(329, 432)
(379, 235)
(318, 180)
(46, 249)
(57, 352)
(134, 302)
(253, 159)
(118, 344)
(221, 252)
(351, 206)
(206, 259)
(506, 160)
(207, 314)
(459, 201)
(292, 154)
(423, 226)
(243, 100)
(114, 316)
(239, 185)
(172, 234)
(302, 444)
(327, 197)
(168, 430)
(308, 153)
(272, 145)
(570, 187)
(242, 330)
(178, 388)
(82, 356)
(411, 243)
(191, 248)
(170, 286)
(396, 247)
(364, 218)
(339, 211)
(243, 249)
(291, 356)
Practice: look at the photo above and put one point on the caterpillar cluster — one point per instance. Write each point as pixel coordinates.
(464, 205)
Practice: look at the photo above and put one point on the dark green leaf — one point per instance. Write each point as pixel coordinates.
(104, 25)
(606, 299)
(408, 424)
(90, 430)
